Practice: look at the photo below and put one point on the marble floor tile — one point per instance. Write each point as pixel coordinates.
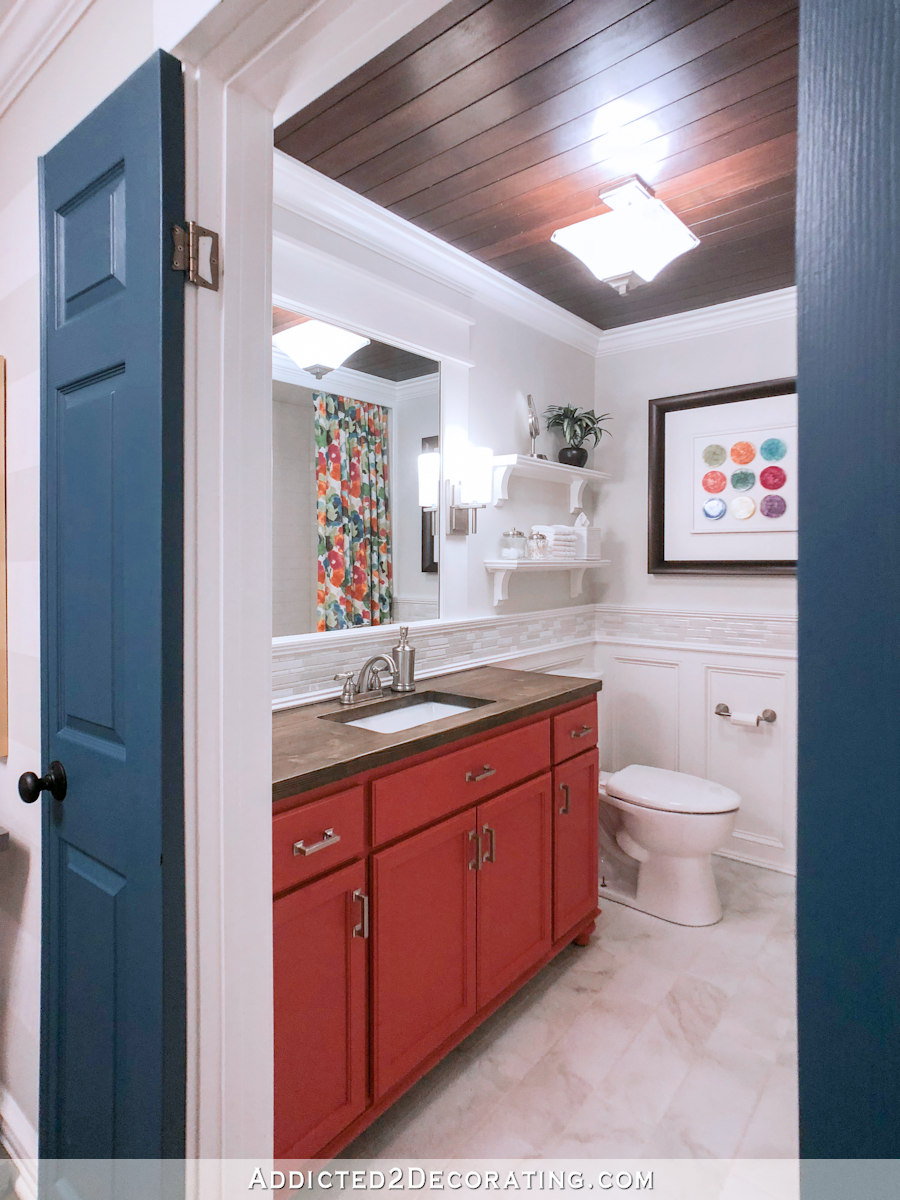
(772, 1131)
(653, 1041)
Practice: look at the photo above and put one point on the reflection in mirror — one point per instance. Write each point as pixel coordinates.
(350, 419)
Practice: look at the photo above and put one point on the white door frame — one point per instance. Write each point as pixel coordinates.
(246, 66)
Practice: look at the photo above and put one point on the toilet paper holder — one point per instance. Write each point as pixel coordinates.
(769, 715)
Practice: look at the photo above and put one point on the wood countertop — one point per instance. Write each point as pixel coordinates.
(308, 752)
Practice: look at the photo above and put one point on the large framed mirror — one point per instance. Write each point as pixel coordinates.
(351, 419)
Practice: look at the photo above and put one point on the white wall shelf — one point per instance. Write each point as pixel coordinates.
(573, 478)
(502, 568)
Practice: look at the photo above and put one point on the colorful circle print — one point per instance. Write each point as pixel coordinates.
(716, 508)
(772, 478)
(742, 507)
(772, 506)
(743, 453)
(714, 481)
(714, 455)
(773, 449)
(743, 481)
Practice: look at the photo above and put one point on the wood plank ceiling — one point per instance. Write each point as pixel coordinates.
(497, 121)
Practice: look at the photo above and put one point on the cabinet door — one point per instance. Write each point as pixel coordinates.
(424, 945)
(514, 895)
(320, 1011)
(575, 834)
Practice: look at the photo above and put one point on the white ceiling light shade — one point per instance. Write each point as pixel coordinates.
(639, 236)
(318, 344)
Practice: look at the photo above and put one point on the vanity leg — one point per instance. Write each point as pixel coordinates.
(584, 938)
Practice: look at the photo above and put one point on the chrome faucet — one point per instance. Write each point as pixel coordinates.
(401, 665)
(368, 680)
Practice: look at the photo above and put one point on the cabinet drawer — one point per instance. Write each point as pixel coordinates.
(575, 731)
(309, 840)
(409, 799)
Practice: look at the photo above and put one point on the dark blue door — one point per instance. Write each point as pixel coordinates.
(113, 1013)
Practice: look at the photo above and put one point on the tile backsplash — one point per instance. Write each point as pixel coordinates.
(303, 669)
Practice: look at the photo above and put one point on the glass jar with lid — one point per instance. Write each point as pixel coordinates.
(512, 544)
(538, 546)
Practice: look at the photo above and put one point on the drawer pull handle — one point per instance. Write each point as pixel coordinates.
(362, 929)
(564, 787)
(485, 773)
(582, 732)
(475, 864)
(329, 838)
(491, 855)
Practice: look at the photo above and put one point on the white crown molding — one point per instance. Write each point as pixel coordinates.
(701, 322)
(344, 381)
(300, 189)
(29, 34)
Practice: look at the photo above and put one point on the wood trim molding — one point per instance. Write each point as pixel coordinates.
(701, 322)
(303, 191)
(28, 36)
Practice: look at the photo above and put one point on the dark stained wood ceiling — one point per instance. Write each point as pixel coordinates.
(379, 359)
(488, 125)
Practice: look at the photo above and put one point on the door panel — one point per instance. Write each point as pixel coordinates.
(113, 1060)
(514, 895)
(424, 944)
(321, 1002)
(576, 830)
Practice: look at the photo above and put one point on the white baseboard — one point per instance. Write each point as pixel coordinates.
(20, 1141)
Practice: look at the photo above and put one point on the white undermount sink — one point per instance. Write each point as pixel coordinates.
(408, 718)
(406, 712)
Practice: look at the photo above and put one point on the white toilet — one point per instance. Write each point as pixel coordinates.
(670, 824)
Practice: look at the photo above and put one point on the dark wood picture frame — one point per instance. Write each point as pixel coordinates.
(657, 563)
(429, 522)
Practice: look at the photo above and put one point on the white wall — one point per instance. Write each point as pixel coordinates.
(668, 358)
(103, 48)
(416, 415)
(294, 529)
(671, 647)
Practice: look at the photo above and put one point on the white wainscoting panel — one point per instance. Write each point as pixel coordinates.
(657, 707)
(758, 762)
(643, 703)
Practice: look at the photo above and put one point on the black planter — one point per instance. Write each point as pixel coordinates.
(573, 456)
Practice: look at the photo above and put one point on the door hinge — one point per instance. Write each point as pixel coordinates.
(196, 252)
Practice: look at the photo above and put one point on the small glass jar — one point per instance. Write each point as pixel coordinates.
(512, 544)
(538, 546)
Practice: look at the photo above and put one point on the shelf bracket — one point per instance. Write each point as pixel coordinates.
(501, 484)
(576, 581)
(576, 494)
(501, 586)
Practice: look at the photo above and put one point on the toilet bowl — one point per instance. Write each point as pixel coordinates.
(670, 824)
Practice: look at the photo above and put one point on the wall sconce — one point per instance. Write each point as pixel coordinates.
(429, 480)
(472, 491)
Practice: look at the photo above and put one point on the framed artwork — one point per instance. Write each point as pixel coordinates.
(429, 523)
(4, 674)
(723, 481)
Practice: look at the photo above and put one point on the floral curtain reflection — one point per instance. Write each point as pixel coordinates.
(353, 513)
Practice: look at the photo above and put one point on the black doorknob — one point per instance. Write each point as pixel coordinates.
(54, 782)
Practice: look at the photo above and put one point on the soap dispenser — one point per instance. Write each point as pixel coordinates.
(404, 656)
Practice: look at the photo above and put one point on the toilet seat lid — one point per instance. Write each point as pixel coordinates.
(671, 791)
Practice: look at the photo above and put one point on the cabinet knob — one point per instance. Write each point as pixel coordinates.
(329, 838)
(564, 788)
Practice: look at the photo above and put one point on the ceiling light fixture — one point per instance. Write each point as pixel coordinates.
(317, 347)
(630, 244)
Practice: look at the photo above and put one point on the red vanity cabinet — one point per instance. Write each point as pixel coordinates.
(481, 858)
(424, 945)
(514, 885)
(576, 831)
(321, 1010)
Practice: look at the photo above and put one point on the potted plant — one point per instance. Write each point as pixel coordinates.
(577, 425)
